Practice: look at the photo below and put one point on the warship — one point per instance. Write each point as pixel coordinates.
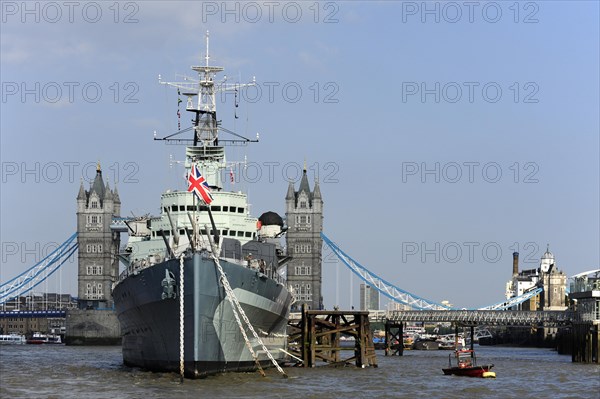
(204, 289)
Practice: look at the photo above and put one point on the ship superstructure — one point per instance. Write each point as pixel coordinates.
(231, 260)
(181, 209)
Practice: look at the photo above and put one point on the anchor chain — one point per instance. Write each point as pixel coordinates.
(246, 340)
(235, 304)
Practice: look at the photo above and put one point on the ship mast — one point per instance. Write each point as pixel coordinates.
(206, 149)
(205, 127)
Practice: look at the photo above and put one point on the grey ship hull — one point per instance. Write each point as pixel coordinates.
(213, 342)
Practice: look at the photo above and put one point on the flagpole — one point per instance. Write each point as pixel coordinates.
(214, 226)
(200, 188)
(195, 226)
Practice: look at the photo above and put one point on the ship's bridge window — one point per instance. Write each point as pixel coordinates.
(240, 210)
(174, 208)
(215, 208)
(182, 231)
(190, 208)
(248, 234)
(166, 233)
(225, 209)
(181, 208)
(203, 231)
(232, 233)
(203, 208)
(240, 233)
(165, 209)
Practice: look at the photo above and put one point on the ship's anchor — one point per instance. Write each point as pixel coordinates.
(169, 286)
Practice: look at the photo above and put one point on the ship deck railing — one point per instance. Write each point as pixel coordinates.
(270, 272)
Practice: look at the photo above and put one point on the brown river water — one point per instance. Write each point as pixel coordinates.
(58, 371)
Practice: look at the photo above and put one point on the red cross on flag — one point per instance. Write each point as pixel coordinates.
(199, 186)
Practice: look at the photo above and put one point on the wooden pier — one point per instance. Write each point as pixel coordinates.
(318, 337)
(585, 342)
(394, 343)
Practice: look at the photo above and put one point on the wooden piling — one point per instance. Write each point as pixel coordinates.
(317, 338)
(394, 342)
(585, 342)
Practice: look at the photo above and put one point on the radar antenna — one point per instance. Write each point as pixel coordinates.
(201, 100)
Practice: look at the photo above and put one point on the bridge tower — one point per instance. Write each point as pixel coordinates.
(304, 214)
(98, 245)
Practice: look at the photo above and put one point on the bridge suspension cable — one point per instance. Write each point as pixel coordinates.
(388, 289)
(510, 302)
(399, 295)
(39, 272)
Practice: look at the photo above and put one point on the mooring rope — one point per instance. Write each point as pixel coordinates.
(235, 304)
(292, 356)
(248, 344)
(181, 355)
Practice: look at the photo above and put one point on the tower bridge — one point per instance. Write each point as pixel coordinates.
(97, 241)
(424, 310)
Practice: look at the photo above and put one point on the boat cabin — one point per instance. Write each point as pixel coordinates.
(465, 358)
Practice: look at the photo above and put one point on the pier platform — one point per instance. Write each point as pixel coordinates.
(323, 336)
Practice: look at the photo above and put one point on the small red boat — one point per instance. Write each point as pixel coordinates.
(466, 365)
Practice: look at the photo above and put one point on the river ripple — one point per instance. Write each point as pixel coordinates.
(58, 371)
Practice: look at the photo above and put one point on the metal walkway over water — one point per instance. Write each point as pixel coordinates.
(34, 314)
(484, 317)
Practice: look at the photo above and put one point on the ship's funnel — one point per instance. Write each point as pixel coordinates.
(515, 263)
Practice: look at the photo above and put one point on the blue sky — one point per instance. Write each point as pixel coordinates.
(500, 108)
